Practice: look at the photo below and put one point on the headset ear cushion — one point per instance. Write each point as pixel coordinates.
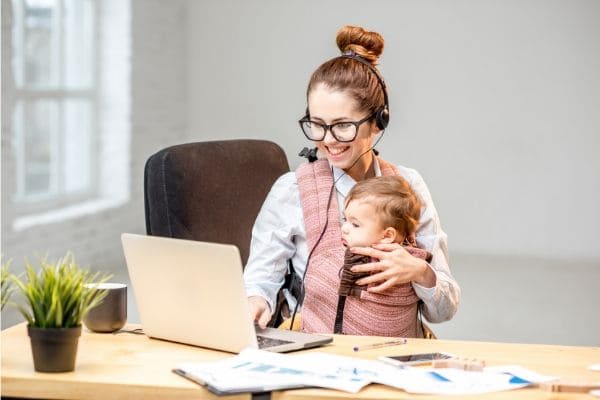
(382, 118)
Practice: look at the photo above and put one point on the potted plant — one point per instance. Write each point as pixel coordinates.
(55, 303)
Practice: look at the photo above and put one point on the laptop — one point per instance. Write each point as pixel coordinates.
(193, 292)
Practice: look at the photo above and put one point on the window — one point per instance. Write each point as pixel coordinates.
(54, 134)
(70, 105)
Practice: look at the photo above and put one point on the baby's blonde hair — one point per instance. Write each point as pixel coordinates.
(396, 204)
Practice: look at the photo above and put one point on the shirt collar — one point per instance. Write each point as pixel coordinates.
(344, 182)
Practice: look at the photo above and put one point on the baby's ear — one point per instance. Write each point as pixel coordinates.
(390, 235)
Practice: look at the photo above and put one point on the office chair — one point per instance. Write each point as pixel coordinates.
(210, 191)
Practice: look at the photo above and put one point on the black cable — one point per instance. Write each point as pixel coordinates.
(301, 295)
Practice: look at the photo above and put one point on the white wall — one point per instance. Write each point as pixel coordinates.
(494, 102)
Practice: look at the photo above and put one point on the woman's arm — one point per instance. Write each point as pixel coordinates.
(440, 301)
(271, 246)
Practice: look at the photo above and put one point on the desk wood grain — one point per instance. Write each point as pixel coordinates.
(127, 366)
(108, 366)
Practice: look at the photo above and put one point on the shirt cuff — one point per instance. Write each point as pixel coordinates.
(423, 292)
(260, 293)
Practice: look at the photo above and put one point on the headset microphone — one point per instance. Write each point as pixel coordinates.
(309, 154)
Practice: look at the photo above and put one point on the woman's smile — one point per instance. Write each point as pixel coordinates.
(336, 152)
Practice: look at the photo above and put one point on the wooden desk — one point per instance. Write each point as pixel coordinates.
(128, 366)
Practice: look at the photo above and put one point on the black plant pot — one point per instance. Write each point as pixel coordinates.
(54, 349)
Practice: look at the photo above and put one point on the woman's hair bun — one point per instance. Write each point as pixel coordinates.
(366, 44)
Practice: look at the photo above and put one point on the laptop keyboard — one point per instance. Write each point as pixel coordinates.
(266, 342)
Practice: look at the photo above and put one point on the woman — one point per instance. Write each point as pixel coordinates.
(300, 218)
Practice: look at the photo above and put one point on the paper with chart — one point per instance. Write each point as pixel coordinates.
(258, 370)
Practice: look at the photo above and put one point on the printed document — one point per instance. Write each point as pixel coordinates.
(254, 371)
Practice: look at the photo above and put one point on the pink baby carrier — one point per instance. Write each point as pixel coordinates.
(392, 313)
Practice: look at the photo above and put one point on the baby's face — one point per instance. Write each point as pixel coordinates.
(362, 227)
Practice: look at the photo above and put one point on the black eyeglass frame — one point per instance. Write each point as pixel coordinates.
(329, 128)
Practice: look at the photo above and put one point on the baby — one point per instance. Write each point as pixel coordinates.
(378, 210)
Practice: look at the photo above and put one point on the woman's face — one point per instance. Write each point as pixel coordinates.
(329, 106)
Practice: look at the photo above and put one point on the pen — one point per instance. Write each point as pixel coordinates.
(381, 344)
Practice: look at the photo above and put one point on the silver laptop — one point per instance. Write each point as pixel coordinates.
(193, 292)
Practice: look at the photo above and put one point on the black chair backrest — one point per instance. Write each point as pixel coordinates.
(210, 191)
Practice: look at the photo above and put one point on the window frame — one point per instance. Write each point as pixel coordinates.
(59, 93)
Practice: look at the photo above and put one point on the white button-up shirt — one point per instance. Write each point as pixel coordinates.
(279, 235)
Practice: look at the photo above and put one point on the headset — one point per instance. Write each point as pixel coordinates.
(382, 114)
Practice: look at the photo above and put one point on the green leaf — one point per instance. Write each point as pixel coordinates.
(55, 294)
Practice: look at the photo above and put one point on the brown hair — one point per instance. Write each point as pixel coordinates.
(394, 200)
(346, 74)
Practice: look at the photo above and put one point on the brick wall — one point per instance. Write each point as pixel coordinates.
(155, 119)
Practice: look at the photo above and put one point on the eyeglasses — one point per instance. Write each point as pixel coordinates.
(345, 131)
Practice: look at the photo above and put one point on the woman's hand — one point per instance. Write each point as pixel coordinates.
(259, 311)
(395, 267)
